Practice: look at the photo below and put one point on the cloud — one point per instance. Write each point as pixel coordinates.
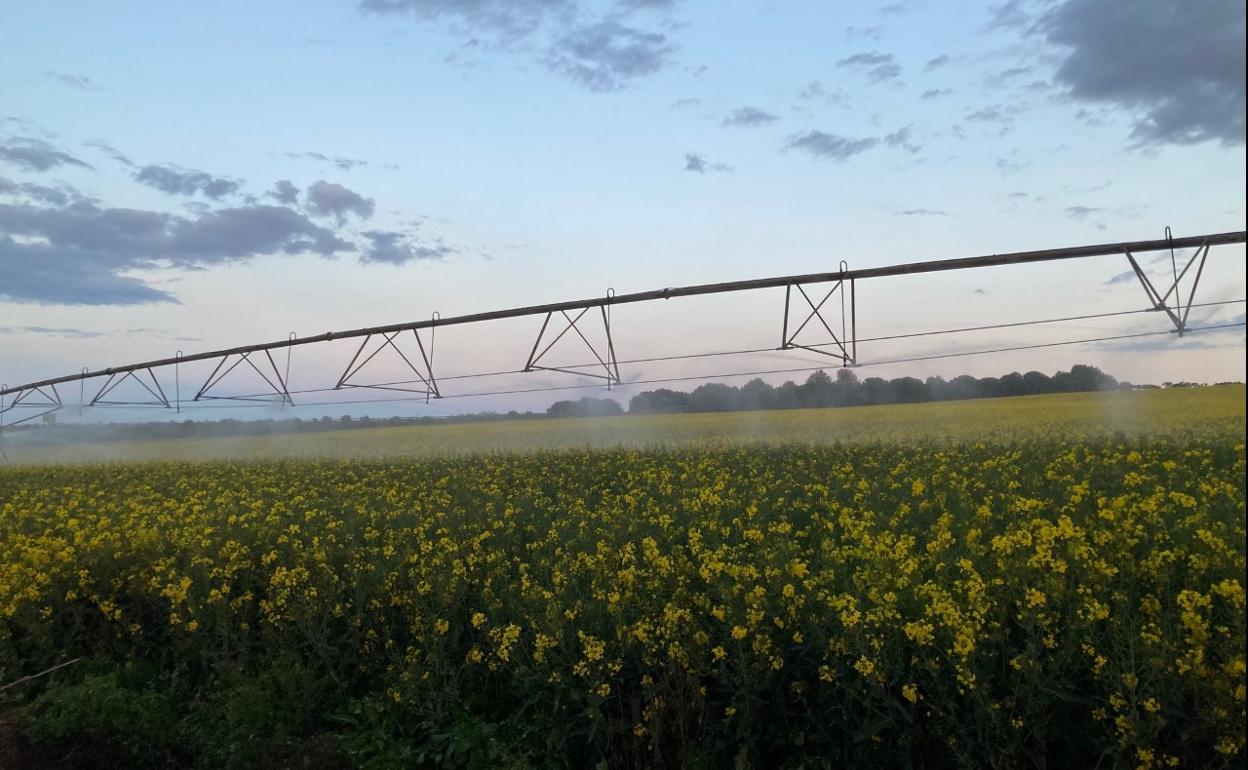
(749, 116)
(1177, 65)
(924, 213)
(51, 331)
(81, 253)
(879, 67)
(285, 192)
(340, 162)
(1008, 15)
(110, 151)
(1126, 277)
(698, 163)
(815, 89)
(682, 104)
(396, 248)
(58, 195)
(326, 199)
(1080, 212)
(173, 180)
(936, 62)
(502, 20)
(830, 146)
(936, 93)
(32, 154)
(607, 55)
(863, 33)
(80, 82)
(898, 9)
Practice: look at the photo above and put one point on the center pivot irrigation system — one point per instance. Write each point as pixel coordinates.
(837, 338)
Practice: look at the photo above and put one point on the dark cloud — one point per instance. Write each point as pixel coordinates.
(285, 192)
(607, 55)
(327, 199)
(749, 116)
(1126, 277)
(936, 62)
(698, 163)
(32, 154)
(80, 253)
(830, 146)
(879, 67)
(396, 248)
(924, 213)
(172, 180)
(1177, 65)
(80, 82)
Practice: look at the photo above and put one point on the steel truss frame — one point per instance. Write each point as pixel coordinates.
(425, 377)
(42, 397)
(606, 360)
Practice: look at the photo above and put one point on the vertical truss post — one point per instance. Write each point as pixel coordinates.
(853, 320)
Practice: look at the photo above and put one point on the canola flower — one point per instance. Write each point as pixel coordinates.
(973, 599)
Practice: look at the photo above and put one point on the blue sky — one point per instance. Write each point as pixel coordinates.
(464, 156)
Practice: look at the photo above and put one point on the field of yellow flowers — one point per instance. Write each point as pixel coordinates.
(923, 591)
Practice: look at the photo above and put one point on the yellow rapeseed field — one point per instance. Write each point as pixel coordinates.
(1009, 583)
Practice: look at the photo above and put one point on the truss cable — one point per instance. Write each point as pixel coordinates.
(728, 375)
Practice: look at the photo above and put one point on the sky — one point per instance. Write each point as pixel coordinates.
(188, 177)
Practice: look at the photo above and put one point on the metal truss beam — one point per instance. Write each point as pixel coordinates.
(33, 403)
(846, 342)
(154, 390)
(844, 346)
(424, 377)
(277, 382)
(1179, 311)
(606, 360)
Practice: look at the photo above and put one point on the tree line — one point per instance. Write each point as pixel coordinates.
(844, 389)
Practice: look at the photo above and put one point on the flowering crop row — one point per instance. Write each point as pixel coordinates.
(984, 603)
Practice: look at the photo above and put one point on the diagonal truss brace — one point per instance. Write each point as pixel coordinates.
(1178, 311)
(844, 346)
(610, 366)
(277, 382)
(155, 390)
(425, 384)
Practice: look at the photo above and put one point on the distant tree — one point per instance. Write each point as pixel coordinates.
(818, 389)
(662, 400)
(876, 390)
(585, 407)
(908, 390)
(756, 394)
